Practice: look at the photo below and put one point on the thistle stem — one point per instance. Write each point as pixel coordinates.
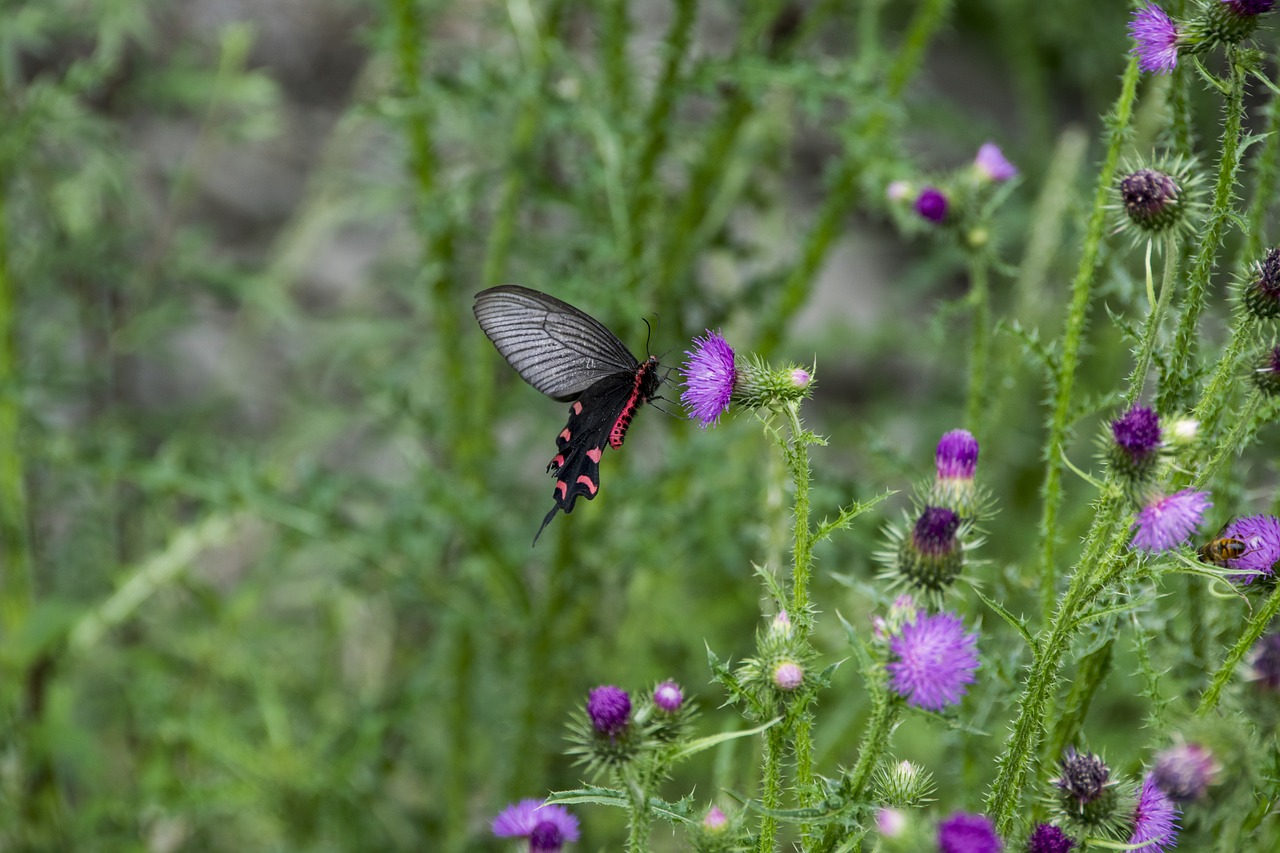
(1151, 331)
(1253, 630)
(980, 345)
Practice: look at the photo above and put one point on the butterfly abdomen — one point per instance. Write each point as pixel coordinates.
(646, 383)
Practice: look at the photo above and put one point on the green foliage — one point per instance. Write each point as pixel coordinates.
(266, 491)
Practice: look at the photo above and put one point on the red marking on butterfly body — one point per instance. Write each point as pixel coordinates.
(618, 433)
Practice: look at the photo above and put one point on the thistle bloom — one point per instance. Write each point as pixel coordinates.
(1264, 662)
(1185, 771)
(1167, 522)
(548, 828)
(957, 455)
(1155, 37)
(609, 708)
(1151, 199)
(715, 820)
(991, 163)
(932, 204)
(1137, 436)
(787, 676)
(710, 374)
(1084, 776)
(1266, 375)
(668, 696)
(930, 556)
(967, 833)
(933, 661)
(1262, 290)
(1261, 537)
(1155, 821)
(1047, 838)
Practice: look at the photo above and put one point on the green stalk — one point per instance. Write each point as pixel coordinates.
(872, 131)
(1073, 336)
(639, 818)
(771, 788)
(1151, 330)
(980, 345)
(1179, 379)
(1253, 630)
(797, 456)
(15, 569)
(1233, 443)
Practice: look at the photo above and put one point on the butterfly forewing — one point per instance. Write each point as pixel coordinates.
(553, 346)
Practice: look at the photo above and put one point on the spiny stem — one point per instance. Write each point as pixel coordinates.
(1151, 331)
(1257, 625)
(980, 345)
(771, 788)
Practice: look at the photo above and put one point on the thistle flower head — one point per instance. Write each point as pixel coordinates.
(781, 625)
(1087, 800)
(609, 708)
(932, 661)
(1151, 199)
(1266, 372)
(788, 676)
(991, 163)
(1047, 838)
(715, 820)
(1264, 662)
(967, 833)
(710, 374)
(1261, 291)
(1166, 522)
(547, 827)
(1083, 776)
(957, 455)
(928, 556)
(890, 822)
(1155, 38)
(801, 377)
(902, 785)
(668, 696)
(1185, 771)
(1260, 535)
(1155, 820)
(932, 204)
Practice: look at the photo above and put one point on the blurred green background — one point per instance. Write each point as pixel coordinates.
(268, 492)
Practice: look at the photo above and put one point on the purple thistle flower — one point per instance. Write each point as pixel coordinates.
(1137, 433)
(890, 822)
(1152, 199)
(932, 204)
(991, 162)
(1084, 775)
(1047, 838)
(1185, 771)
(1155, 820)
(1267, 374)
(1264, 662)
(957, 455)
(710, 374)
(935, 659)
(1155, 38)
(668, 696)
(609, 708)
(715, 819)
(548, 828)
(1249, 8)
(1262, 290)
(1167, 522)
(787, 676)
(967, 833)
(934, 533)
(800, 377)
(1261, 537)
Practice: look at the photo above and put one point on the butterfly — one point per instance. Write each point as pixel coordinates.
(569, 355)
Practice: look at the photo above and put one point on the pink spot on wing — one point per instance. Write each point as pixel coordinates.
(577, 407)
(563, 488)
(586, 481)
(564, 434)
(594, 454)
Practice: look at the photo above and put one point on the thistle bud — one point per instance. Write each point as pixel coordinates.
(1261, 292)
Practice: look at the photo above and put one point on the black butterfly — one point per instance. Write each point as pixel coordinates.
(568, 355)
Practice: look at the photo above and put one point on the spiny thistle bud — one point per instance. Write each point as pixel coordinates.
(782, 665)
(1185, 771)
(715, 377)
(1261, 292)
(715, 820)
(1266, 371)
(717, 833)
(902, 785)
(1264, 663)
(1134, 448)
(788, 676)
(957, 460)
(1151, 200)
(609, 708)
(1227, 21)
(930, 556)
(781, 625)
(932, 204)
(1087, 799)
(667, 717)
(668, 697)
(1047, 838)
(603, 737)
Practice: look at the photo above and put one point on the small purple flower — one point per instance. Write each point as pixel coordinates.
(898, 191)
(992, 163)
(967, 833)
(1167, 522)
(934, 660)
(1137, 433)
(609, 708)
(800, 377)
(957, 455)
(1264, 662)
(1155, 820)
(788, 676)
(1083, 777)
(668, 696)
(934, 533)
(715, 819)
(1261, 537)
(1185, 771)
(890, 822)
(1047, 838)
(548, 828)
(1156, 39)
(710, 374)
(932, 204)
